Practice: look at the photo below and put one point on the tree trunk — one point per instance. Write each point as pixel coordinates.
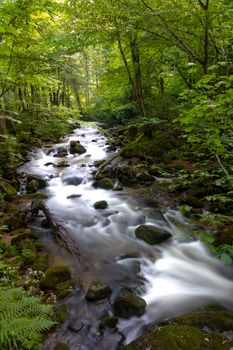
(137, 74)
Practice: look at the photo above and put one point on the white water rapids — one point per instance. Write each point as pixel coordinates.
(173, 278)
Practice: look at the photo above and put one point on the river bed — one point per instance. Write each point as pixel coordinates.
(173, 278)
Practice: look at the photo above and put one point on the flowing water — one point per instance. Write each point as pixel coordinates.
(173, 278)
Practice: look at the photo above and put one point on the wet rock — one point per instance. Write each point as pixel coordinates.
(73, 196)
(33, 186)
(128, 304)
(7, 189)
(63, 164)
(76, 147)
(100, 205)
(60, 313)
(64, 288)
(55, 275)
(144, 177)
(41, 181)
(98, 290)
(107, 321)
(105, 183)
(76, 327)
(214, 320)
(49, 163)
(118, 188)
(60, 154)
(151, 234)
(177, 337)
(72, 180)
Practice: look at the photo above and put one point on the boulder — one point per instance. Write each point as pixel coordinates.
(76, 147)
(55, 275)
(39, 179)
(100, 205)
(72, 180)
(151, 234)
(64, 288)
(105, 183)
(60, 154)
(72, 196)
(98, 290)
(128, 304)
(33, 186)
(177, 337)
(62, 164)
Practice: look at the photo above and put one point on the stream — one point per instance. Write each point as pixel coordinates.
(175, 277)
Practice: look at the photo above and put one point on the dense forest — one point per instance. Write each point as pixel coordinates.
(157, 76)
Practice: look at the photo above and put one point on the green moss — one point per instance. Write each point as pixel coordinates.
(105, 183)
(216, 320)
(55, 275)
(60, 313)
(40, 264)
(7, 188)
(64, 288)
(32, 196)
(174, 337)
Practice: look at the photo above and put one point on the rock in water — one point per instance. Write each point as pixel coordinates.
(98, 290)
(105, 183)
(76, 147)
(100, 205)
(151, 234)
(128, 304)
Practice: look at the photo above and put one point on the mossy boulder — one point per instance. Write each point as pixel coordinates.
(107, 321)
(64, 288)
(7, 189)
(100, 205)
(32, 196)
(54, 276)
(33, 186)
(151, 234)
(105, 183)
(97, 163)
(76, 147)
(60, 313)
(128, 304)
(72, 180)
(215, 320)
(98, 290)
(39, 179)
(63, 164)
(175, 337)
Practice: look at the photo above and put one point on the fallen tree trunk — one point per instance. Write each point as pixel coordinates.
(60, 234)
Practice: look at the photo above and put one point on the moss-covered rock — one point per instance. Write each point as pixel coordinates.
(32, 186)
(100, 205)
(97, 163)
(105, 183)
(98, 290)
(151, 234)
(107, 321)
(64, 288)
(174, 337)
(39, 179)
(76, 147)
(214, 320)
(7, 189)
(60, 313)
(55, 275)
(128, 304)
(63, 164)
(32, 196)
(41, 263)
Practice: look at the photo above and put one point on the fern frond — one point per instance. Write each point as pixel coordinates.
(23, 318)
